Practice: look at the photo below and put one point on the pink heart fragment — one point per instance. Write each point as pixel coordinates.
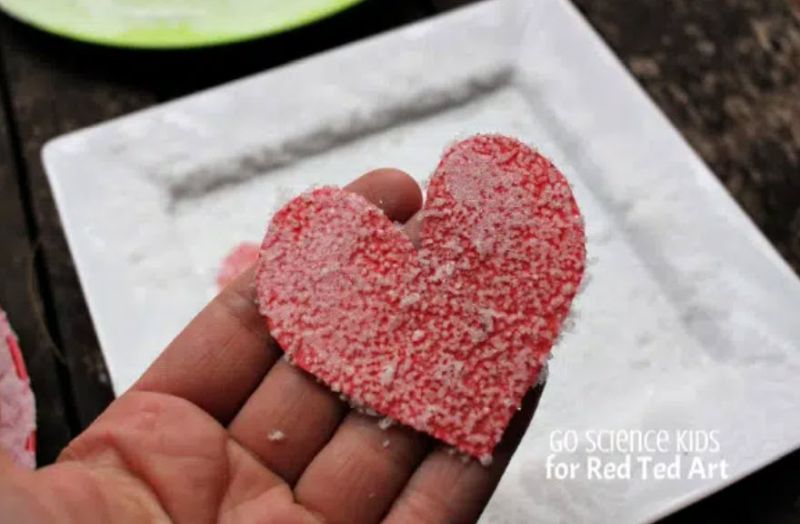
(446, 338)
(236, 262)
(17, 405)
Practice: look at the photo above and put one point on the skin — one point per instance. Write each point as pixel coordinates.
(189, 442)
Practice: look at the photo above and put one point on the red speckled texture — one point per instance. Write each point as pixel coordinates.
(236, 262)
(446, 338)
(17, 405)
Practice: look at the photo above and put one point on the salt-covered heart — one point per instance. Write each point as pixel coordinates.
(446, 338)
(17, 405)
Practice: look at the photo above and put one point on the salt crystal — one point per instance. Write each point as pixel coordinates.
(587, 277)
(542, 378)
(386, 443)
(276, 435)
(388, 374)
(487, 317)
(477, 336)
(444, 271)
(410, 299)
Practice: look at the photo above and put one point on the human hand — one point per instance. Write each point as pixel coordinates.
(220, 428)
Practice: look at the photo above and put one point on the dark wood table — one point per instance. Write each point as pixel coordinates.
(727, 73)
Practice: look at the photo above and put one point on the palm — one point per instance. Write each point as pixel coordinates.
(221, 429)
(166, 457)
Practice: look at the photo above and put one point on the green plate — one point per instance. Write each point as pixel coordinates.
(162, 24)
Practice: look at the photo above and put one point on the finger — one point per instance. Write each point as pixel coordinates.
(362, 461)
(287, 420)
(353, 467)
(446, 488)
(364, 464)
(392, 190)
(222, 355)
(268, 424)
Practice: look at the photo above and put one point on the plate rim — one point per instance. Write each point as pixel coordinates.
(134, 41)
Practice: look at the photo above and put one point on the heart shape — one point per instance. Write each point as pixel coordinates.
(446, 338)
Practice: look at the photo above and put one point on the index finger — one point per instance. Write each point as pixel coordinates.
(224, 352)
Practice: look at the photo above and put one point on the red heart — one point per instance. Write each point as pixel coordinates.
(446, 338)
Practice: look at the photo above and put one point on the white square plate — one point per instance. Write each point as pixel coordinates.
(688, 323)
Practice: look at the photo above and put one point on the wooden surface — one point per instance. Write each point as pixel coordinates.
(726, 73)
